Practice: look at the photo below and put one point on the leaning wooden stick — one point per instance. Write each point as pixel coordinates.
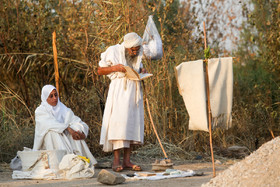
(55, 62)
(153, 125)
(208, 102)
(272, 134)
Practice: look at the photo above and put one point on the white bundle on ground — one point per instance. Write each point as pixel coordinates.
(74, 167)
(152, 43)
(169, 173)
(52, 164)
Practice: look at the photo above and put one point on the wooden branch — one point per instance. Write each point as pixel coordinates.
(152, 122)
(55, 62)
(42, 54)
(208, 102)
(272, 134)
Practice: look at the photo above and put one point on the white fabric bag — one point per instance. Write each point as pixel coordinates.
(42, 164)
(152, 43)
(31, 159)
(16, 163)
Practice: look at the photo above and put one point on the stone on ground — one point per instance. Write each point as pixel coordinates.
(107, 177)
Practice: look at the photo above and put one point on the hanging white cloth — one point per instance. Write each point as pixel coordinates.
(191, 84)
(123, 117)
(221, 91)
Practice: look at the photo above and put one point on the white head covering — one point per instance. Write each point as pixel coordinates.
(132, 40)
(58, 111)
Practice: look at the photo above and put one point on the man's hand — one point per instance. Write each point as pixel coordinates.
(143, 70)
(110, 69)
(119, 68)
(76, 135)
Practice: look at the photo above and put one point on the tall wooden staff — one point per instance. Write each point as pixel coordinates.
(55, 62)
(208, 101)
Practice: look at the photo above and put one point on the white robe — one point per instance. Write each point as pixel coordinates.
(123, 117)
(51, 134)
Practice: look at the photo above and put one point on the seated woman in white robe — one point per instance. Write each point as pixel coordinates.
(58, 128)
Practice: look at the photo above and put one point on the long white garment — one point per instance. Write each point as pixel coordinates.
(123, 117)
(50, 134)
(191, 83)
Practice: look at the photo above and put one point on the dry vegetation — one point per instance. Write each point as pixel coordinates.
(84, 30)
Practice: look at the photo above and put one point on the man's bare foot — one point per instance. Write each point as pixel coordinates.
(116, 163)
(117, 168)
(130, 166)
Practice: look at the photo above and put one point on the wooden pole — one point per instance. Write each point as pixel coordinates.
(152, 122)
(208, 102)
(55, 62)
(153, 125)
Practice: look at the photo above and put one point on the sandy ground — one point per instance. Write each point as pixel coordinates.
(195, 181)
(259, 169)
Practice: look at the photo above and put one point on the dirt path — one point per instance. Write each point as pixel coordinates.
(195, 181)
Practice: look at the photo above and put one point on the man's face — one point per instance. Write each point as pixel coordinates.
(53, 98)
(134, 51)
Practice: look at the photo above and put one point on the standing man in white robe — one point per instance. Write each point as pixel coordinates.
(58, 128)
(123, 120)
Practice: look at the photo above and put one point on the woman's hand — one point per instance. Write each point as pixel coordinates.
(76, 135)
(82, 136)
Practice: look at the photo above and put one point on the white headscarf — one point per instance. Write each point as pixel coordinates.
(132, 40)
(58, 111)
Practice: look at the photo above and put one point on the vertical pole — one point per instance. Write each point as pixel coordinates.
(208, 102)
(55, 62)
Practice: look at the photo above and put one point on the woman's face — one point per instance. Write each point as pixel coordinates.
(53, 98)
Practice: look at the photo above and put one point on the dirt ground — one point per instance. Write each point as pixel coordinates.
(195, 181)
